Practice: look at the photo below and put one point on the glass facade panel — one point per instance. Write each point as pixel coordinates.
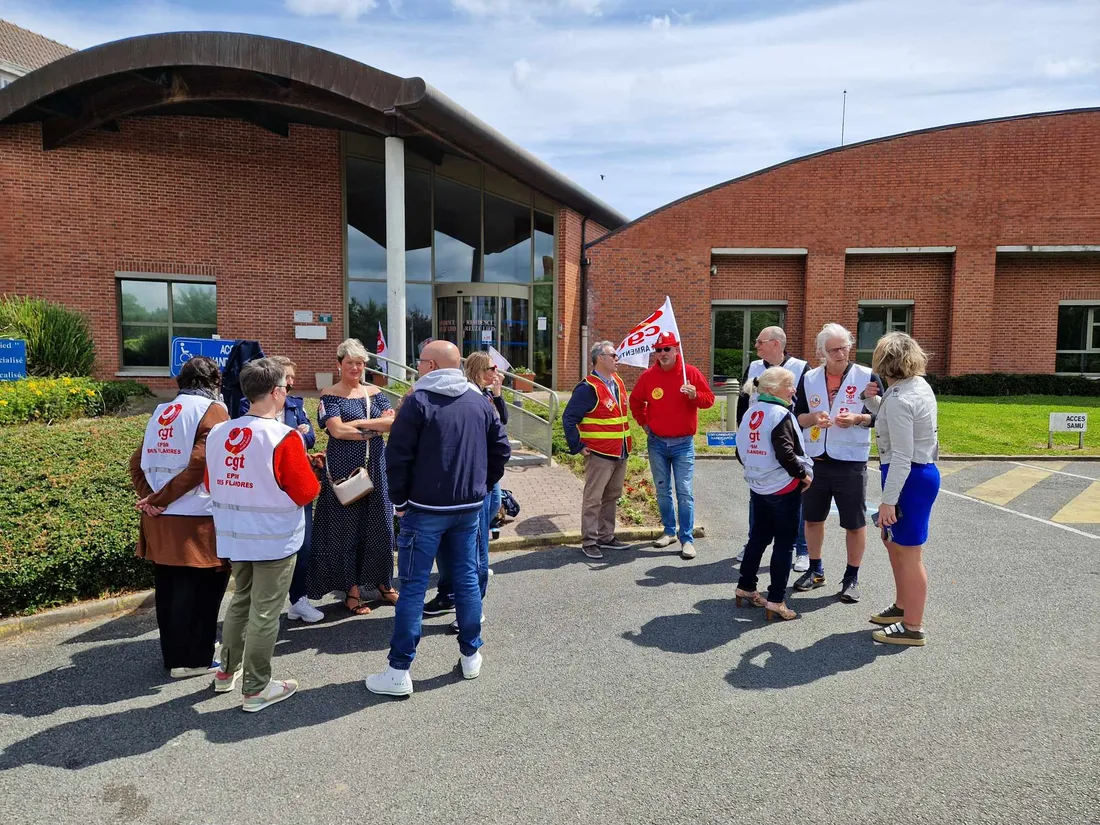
(729, 343)
(543, 361)
(1072, 323)
(507, 241)
(418, 324)
(144, 302)
(194, 304)
(447, 318)
(514, 340)
(479, 323)
(871, 326)
(457, 232)
(544, 247)
(418, 226)
(366, 197)
(366, 310)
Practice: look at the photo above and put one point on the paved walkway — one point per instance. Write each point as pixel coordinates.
(549, 500)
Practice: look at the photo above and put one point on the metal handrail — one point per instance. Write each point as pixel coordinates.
(542, 439)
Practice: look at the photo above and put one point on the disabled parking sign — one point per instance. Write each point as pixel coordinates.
(722, 439)
(184, 349)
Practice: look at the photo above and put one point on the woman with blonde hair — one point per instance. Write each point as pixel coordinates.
(483, 374)
(908, 447)
(353, 544)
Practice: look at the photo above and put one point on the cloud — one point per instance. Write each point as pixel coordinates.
(663, 116)
(660, 24)
(527, 9)
(521, 73)
(345, 9)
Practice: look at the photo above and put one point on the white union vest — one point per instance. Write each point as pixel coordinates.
(841, 443)
(255, 520)
(166, 451)
(763, 472)
(795, 366)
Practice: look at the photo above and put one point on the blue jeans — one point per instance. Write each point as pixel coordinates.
(669, 457)
(774, 517)
(301, 566)
(453, 537)
(445, 586)
(800, 540)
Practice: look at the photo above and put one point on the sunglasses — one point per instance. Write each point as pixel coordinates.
(663, 349)
(492, 368)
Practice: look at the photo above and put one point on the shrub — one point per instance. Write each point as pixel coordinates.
(727, 361)
(55, 399)
(1001, 383)
(67, 519)
(59, 341)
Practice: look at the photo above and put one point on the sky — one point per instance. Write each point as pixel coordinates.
(641, 102)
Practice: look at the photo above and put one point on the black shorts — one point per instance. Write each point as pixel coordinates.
(842, 481)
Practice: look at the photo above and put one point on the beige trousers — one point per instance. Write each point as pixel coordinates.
(603, 484)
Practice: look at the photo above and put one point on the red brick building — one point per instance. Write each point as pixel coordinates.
(203, 184)
(982, 240)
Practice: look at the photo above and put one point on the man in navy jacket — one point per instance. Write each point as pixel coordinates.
(446, 449)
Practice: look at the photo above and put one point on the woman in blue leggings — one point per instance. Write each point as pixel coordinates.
(908, 447)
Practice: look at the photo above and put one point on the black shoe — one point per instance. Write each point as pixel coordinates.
(592, 551)
(849, 591)
(809, 581)
(888, 616)
(439, 606)
(614, 544)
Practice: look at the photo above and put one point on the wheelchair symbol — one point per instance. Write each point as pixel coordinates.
(185, 354)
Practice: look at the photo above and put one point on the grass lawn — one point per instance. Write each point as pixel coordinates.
(1012, 425)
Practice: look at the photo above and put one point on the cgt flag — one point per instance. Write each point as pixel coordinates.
(381, 350)
(498, 360)
(638, 343)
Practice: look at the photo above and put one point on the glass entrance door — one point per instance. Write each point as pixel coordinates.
(475, 316)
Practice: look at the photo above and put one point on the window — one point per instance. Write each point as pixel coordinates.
(733, 333)
(152, 313)
(876, 321)
(457, 232)
(544, 247)
(1078, 347)
(507, 241)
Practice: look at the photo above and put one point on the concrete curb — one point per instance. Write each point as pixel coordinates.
(145, 598)
(874, 459)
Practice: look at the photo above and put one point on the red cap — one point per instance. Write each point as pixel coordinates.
(666, 339)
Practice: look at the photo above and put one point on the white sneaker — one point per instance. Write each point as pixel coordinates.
(276, 691)
(740, 557)
(391, 682)
(801, 563)
(664, 541)
(303, 610)
(687, 550)
(224, 683)
(471, 665)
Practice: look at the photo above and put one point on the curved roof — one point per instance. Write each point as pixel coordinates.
(824, 152)
(271, 83)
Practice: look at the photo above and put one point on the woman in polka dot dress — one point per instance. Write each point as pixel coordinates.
(353, 544)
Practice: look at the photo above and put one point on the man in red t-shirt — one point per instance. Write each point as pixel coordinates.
(667, 408)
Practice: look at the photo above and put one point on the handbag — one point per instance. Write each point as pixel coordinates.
(354, 487)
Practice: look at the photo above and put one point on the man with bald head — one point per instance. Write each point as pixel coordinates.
(446, 450)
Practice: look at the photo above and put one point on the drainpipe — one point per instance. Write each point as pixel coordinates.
(584, 302)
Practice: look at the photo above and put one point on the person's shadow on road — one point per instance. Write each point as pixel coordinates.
(771, 666)
(712, 624)
(717, 572)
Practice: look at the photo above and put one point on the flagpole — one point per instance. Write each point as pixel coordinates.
(683, 363)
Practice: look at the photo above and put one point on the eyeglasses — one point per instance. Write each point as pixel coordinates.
(838, 350)
(663, 349)
(492, 368)
(760, 343)
(614, 355)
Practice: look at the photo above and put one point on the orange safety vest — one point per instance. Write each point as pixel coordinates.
(605, 426)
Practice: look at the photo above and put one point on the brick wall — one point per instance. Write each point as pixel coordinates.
(923, 279)
(197, 196)
(568, 309)
(1025, 306)
(1031, 180)
(763, 278)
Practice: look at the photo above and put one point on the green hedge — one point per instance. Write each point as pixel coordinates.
(67, 519)
(1002, 383)
(59, 340)
(55, 399)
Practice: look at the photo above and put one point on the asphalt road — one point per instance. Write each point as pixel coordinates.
(630, 691)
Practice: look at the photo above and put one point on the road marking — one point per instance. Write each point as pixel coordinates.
(950, 468)
(1065, 527)
(1058, 465)
(1008, 485)
(1083, 509)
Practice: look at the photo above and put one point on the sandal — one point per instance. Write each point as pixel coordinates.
(778, 611)
(388, 594)
(753, 598)
(356, 605)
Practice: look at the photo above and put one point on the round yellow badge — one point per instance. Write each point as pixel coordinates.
(658, 393)
(815, 433)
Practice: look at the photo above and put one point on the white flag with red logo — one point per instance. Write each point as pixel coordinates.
(381, 350)
(498, 360)
(638, 343)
